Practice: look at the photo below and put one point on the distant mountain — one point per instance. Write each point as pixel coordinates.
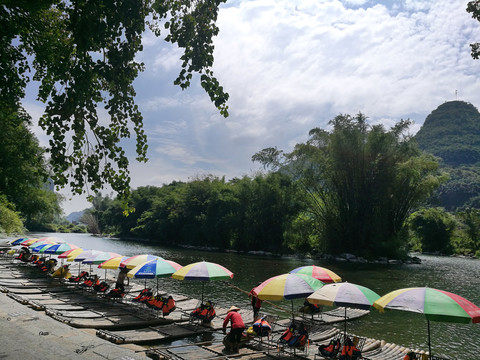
(75, 216)
(452, 132)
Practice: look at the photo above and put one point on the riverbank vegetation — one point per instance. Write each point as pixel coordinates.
(355, 189)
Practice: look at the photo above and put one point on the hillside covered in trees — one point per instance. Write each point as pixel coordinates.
(452, 133)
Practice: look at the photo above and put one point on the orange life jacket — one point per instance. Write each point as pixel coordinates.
(168, 306)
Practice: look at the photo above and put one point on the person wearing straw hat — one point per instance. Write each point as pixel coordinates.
(237, 327)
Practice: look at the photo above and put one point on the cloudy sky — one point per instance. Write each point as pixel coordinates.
(290, 66)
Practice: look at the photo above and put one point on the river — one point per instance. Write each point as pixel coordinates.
(456, 275)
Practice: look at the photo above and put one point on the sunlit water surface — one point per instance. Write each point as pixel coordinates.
(457, 275)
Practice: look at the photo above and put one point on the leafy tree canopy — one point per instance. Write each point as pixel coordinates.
(473, 7)
(82, 53)
(362, 182)
(23, 172)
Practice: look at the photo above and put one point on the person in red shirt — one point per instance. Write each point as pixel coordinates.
(237, 327)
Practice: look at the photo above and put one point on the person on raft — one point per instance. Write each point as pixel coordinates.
(237, 327)
(256, 304)
(120, 284)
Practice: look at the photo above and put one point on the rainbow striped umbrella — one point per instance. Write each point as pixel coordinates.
(113, 263)
(203, 271)
(133, 261)
(71, 253)
(83, 255)
(28, 242)
(154, 269)
(39, 246)
(436, 305)
(287, 286)
(346, 295)
(100, 258)
(58, 248)
(18, 241)
(53, 239)
(320, 273)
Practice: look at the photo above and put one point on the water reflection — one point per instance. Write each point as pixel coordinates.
(460, 276)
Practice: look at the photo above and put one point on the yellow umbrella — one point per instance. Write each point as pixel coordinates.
(112, 263)
(75, 252)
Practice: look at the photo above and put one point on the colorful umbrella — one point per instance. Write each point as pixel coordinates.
(113, 263)
(203, 271)
(18, 241)
(53, 239)
(320, 273)
(345, 295)
(28, 242)
(58, 249)
(154, 269)
(287, 286)
(133, 261)
(436, 305)
(100, 258)
(83, 255)
(38, 247)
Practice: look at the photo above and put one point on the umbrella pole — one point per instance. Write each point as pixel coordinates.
(105, 275)
(429, 343)
(293, 314)
(203, 284)
(345, 329)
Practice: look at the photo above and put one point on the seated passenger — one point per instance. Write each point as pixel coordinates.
(62, 272)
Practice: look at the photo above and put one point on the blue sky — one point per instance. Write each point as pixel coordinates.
(290, 66)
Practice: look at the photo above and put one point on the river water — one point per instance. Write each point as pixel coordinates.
(456, 275)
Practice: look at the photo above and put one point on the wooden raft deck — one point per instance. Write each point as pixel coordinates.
(123, 322)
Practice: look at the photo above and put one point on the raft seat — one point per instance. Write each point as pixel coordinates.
(296, 338)
(165, 304)
(203, 313)
(144, 295)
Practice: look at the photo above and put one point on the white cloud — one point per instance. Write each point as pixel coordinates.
(290, 66)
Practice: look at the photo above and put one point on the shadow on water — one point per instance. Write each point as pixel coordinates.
(456, 275)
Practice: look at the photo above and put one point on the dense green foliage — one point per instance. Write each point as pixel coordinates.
(362, 183)
(435, 230)
(434, 227)
(10, 220)
(23, 174)
(452, 132)
(242, 214)
(82, 53)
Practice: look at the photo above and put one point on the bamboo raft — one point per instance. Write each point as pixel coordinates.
(123, 322)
